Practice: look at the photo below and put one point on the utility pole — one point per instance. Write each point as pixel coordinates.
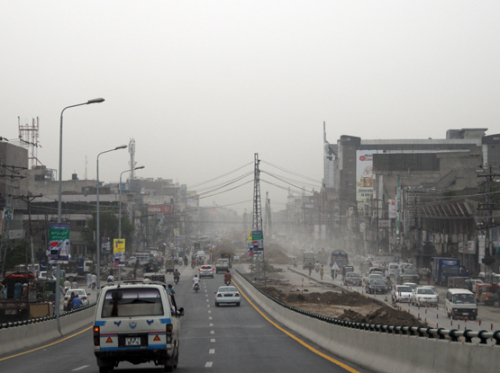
(488, 223)
(257, 210)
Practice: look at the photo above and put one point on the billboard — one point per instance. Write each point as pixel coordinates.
(364, 176)
(257, 240)
(118, 252)
(160, 209)
(59, 241)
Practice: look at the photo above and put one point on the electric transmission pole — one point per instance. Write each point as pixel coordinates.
(257, 211)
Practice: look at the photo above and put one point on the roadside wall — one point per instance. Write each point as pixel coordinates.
(26, 336)
(382, 352)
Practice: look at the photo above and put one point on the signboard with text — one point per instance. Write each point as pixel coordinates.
(118, 252)
(59, 244)
(257, 240)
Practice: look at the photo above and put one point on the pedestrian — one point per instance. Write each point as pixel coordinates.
(94, 281)
(67, 285)
(428, 276)
(111, 278)
(77, 302)
(69, 305)
(89, 280)
(74, 284)
(310, 269)
(335, 268)
(321, 272)
(387, 273)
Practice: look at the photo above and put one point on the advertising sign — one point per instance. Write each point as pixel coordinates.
(59, 241)
(364, 176)
(105, 245)
(392, 209)
(160, 209)
(257, 241)
(249, 243)
(118, 252)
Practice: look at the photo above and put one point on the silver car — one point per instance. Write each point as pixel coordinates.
(227, 295)
(207, 271)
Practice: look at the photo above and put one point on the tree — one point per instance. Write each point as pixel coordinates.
(108, 227)
(16, 253)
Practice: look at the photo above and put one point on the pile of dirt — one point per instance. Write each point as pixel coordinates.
(382, 315)
(276, 254)
(344, 305)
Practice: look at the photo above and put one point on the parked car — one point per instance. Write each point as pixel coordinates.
(353, 279)
(423, 297)
(82, 294)
(207, 271)
(376, 286)
(227, 295)
(401, 294)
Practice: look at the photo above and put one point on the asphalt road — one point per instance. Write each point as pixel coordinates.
(221, 339)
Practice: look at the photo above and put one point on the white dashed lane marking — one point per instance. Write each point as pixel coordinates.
(210, 324)
(212, 331)
(208, 364)
(82, 367)
(211, 351)
(212, 340)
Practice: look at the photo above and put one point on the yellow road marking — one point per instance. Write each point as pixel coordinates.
(50, 344)
(346, 367)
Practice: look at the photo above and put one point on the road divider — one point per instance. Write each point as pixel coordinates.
(381, 351)
(14, 339)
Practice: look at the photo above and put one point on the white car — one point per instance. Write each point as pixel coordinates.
(402, 294)
(412, 285)
(227, 295)
(423, 297)
(433, 289)
(44, 276)
(82, 294)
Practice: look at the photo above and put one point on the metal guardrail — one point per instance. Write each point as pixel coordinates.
(440, 333)
(13, 324)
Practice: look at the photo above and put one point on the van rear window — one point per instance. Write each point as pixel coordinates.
(132, 302)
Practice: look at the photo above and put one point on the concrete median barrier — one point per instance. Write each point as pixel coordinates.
(24, 337)
(377, 351)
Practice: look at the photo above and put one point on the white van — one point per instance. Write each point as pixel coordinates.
(136, 322)
(460, 303)
(393, 268)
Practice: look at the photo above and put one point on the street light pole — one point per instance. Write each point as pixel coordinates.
(59, 202)
(98, 243)
(120, 210)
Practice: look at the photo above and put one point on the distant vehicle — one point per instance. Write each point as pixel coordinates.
(308, 258)
(227, 295)
(423, 297)
(222, 265)
(373, 276)
(409, 275)
(402, 294)
(470, 284)
(393, 267)
(45, 276)
(434, 290)
(376, 286)
(412, 285)
(207, 271)
(353, 279)
(460, 303)
(82, 294)
(444, 268)
(340, 257)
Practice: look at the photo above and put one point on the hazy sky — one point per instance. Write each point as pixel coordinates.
(203, 85)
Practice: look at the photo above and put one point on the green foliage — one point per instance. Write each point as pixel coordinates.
(108, 227)
(16, 253)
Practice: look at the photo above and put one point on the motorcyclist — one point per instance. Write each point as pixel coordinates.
(177, 275)
(196, 281)
(193, 262)
(227, 277)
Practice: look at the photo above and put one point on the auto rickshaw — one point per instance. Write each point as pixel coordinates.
(485, 292)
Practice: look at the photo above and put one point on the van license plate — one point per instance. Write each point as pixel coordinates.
(133, 341)
(11, 312)
(465, 313)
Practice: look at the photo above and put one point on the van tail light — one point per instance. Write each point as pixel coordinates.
(65, 298)
(97, 335)
(84, 298)
(219, 295)
(237, 294)
(169, 333)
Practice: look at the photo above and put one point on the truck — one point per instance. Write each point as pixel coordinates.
(308, 258)
(16, 306)
(341, 258)
(70, 268)
(442, 268)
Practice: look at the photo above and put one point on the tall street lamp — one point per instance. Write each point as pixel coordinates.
(120, 210)
(98, 243)
(59, 203)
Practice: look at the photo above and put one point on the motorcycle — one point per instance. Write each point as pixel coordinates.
(176, 279)
(192, 265)
(196, 287)
(227, 282)
(316, 268)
